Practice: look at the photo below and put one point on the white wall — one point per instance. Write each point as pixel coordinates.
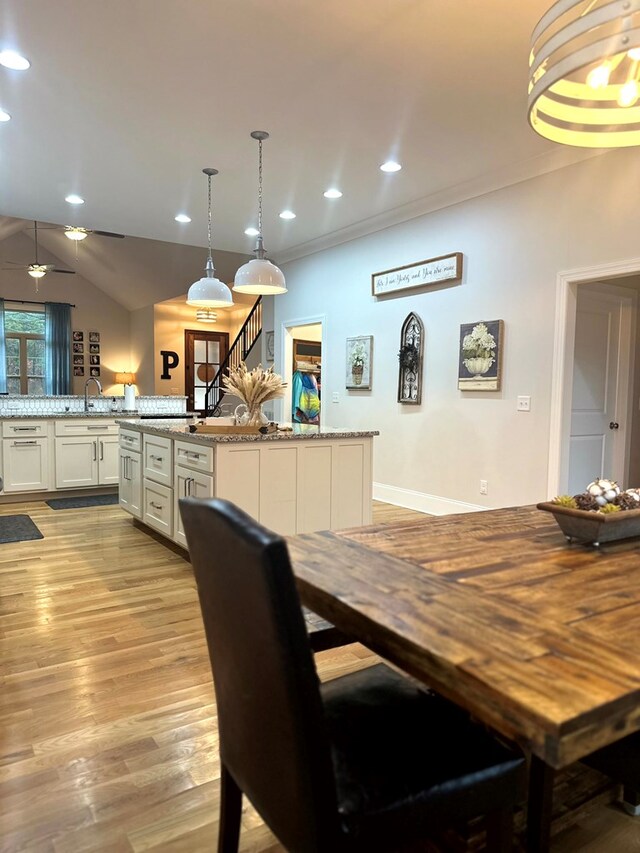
(514, 242)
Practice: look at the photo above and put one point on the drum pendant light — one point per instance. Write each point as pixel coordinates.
(209, 292)
(259, 276)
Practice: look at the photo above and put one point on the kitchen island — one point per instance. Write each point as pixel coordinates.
(310, 478)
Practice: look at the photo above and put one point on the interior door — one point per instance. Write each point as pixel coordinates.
(204, 353)
(600, 387)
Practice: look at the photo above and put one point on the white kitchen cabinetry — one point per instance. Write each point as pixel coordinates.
(158, 507)
(83, 461)
(131, 482)
(25, 464)
(188, 483)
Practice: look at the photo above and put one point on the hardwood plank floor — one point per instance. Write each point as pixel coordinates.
(108, 736)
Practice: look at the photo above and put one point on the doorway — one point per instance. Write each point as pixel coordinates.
(204, 353)
(303, 359)
(595, 369)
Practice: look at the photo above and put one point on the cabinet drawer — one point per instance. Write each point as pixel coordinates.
(130, 440)
(86, 426)
(194, 456)
(28, 429)
(158, 459)
(158, 507)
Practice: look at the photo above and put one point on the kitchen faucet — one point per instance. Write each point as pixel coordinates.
(86, 391)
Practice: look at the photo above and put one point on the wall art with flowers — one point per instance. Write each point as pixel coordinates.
(480, 356)
(359, 358)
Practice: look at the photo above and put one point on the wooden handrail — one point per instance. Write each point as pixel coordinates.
(238, 351)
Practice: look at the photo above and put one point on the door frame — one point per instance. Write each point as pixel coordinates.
(567, 284)
(286, 361)
(188, 355)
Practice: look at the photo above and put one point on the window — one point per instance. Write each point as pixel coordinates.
(24, 336)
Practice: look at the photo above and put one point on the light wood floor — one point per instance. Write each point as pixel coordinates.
(108, 737)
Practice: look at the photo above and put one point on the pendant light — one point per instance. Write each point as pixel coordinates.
(259, 276)
(209, 292)
(584, 76)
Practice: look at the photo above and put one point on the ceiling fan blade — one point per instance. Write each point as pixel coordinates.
(68, 272)
(109, 234)
(15, 269)
(16, 263)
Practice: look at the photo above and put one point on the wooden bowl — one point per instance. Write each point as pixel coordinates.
(593, 528)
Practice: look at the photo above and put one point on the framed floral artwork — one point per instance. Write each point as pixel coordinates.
(359, 363)
(480, 356)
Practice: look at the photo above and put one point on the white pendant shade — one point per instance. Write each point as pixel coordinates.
(209, 293)
(260, 277)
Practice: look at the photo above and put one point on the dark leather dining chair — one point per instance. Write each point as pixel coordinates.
(363, 762)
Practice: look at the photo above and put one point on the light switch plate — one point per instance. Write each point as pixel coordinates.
(335, 397)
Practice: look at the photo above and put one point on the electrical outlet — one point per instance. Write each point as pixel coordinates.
(524, 404)
(335, 397)
(484, 487)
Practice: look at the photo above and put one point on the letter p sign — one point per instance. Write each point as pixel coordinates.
(170, 360)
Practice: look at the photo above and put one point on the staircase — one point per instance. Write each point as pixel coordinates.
(239, 350)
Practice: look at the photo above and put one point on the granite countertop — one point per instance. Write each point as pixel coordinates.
(181, 431)
(54, 416)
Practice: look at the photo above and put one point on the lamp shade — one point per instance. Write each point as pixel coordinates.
(209, 293)
(260, 276)
(584, 81)
(125, 378)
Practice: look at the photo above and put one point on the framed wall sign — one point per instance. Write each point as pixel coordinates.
(480, 356)
(420, 274)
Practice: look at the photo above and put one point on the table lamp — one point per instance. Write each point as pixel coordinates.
(127, 379)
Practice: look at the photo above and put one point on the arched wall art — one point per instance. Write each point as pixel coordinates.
(410, 357)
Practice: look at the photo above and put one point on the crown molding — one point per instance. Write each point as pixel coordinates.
(559, 158)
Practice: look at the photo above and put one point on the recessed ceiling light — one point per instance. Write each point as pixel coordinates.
(4, 115)
(287, 214)
(182, 217)
(13, 60)
(333, 193)
(74, 199)
(390, 166)
(251, 232)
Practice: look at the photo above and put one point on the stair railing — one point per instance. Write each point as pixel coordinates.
(239, 350)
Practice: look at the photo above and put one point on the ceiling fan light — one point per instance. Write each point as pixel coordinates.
(73, 233)
(260, 277)
(37, 272)
(206, 315)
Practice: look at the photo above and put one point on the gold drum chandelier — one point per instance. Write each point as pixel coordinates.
(584, 76)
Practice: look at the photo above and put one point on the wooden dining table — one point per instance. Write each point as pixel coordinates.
(535, 637)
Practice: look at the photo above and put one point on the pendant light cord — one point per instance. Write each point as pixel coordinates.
(260, 188)
(209, 219)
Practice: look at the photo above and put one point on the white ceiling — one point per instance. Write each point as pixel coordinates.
(127, 100)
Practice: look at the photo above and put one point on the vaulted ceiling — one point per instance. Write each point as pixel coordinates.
(127, 100)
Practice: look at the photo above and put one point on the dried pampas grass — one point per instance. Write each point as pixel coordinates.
(254, 387)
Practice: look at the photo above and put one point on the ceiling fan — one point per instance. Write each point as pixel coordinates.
(77, 233)
(36, 269)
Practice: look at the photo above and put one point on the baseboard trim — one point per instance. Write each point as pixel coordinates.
(421, 502)
(32, 497)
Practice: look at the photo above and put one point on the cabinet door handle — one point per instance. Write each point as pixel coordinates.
(101, 450)
(155, 506)
(155, 458)
(24, 429)
(22, 443)
(95, 451)
(96, 426)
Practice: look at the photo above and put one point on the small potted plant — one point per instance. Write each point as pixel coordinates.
(478, 349)
(357, 360)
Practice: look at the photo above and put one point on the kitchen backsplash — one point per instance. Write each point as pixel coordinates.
(11, 405)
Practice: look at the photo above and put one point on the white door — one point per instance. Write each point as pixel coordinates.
(600, 386)
(76, 462)
(108, 459)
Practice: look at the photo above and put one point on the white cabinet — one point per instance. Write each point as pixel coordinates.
(158, 459)
(76, 462)
(108, 460)
(158, 507)
(26, 464)
(188, 483)
(83, 461)
(130, 491)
